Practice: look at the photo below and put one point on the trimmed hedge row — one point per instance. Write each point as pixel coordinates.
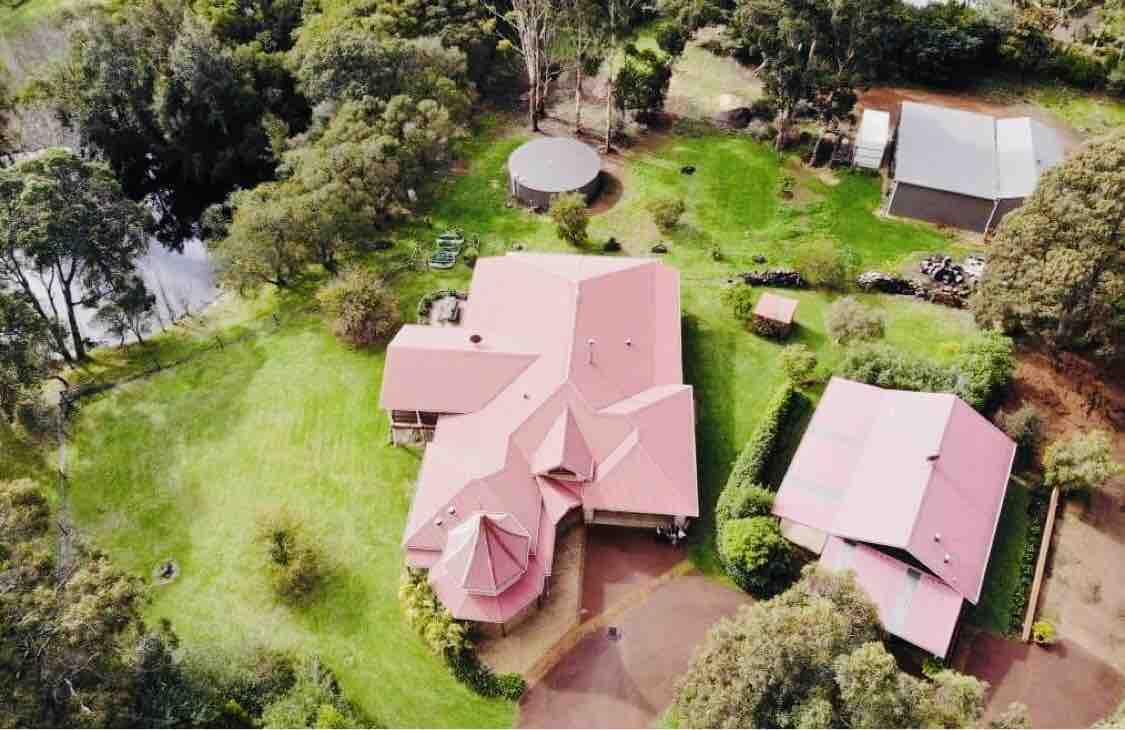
(1037, 504)
(756, 454)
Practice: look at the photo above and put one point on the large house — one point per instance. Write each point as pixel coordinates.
(964, 169)
(906, 490)
(559, 397)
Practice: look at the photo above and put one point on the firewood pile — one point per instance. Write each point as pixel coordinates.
(945, 282)
(786, 278)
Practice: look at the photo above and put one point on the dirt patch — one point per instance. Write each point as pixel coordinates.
(1064, 686)
(1082, 592)
(890, 98)
(629, 680)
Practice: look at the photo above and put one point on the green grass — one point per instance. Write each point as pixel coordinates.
(1091, 113)
(180, 465)
(1003, 576)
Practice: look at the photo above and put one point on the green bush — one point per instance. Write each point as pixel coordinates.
(983, 369)
(1043, 632)
(1037, 505)
(443, 634)
(824, 264)
(468, 669)
(756, 555)
(296, 564)
(1023, 426)
(1079, 462)
(739, 501)
(741, 299)
(571, 218)
(314, 701)
(798, 363)
(751, 462)
(849, 320)
(612, 245)
(361, 309)
(672, 38)
(666, 212)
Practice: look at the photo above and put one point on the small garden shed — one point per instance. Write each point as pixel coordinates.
(773, 315)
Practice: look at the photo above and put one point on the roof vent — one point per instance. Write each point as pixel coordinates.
(933, 457)
(439, 522)
(628, 342)
(452, 510)
(590, 351)
(937, 537)
(947, 558)
(475, 338)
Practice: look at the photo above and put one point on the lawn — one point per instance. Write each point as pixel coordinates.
(1003, 576)
(180, 465)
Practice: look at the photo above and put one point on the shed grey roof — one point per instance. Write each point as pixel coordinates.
(554, 164)
(972, 154)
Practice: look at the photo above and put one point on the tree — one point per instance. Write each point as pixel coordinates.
(755, 554)
(583, 41)
(825, 264)
(129, 311)
(363, 311)
(666, 212)
(848, 320)
(67, 223)
(7, 137)
(258, 247)
(945, 42)
(641, 82)
(811, 657)
(798, 363)
(1024, 426)
(530, 27)
(741, 300)
(571, 218)
(25, 352)
(314, 701)
(1056, 272)
(1080, 462)
(617, 13)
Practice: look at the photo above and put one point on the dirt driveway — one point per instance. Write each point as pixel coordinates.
(1064, 686)
(630, 681)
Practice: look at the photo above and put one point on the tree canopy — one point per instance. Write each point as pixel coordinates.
(1056, 270)
(811, 657)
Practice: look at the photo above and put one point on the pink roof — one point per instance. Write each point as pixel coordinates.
(912, 603)
(922, 472)
(579, 367)
(777, 308)
(485, 554)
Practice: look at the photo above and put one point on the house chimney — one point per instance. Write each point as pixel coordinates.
(476, 339)
(590, 351)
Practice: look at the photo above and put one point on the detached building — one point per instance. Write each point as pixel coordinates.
(964, 169)
(560, 398)
(905, 489)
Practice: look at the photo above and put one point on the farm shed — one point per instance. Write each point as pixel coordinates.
(773, 315)
(964, 169)
(871, 142)
(543, 168)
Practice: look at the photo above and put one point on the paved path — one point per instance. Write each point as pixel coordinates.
(630, 681)
(1064, 686)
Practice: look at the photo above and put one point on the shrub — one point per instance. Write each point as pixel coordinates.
(739, 501)
(983, 369)
(296, 565)
(848, 320)
(824, 264)
(798, 363)
(756, 453)
(467, 668)
(666, 212)
(1023, 426)
(314, 701)
(612, 245)
(741, 300)
(755, 554)
(1043, 632)
(1080, 462)
(362, 310)
(443, 634)
(764, 108)
(571, 219)
(672, 38)
(884, 366)
(642, 79)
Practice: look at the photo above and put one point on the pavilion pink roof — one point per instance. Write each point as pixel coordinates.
(776, 308)
(911, 603)
(486, 553)
(578, 368)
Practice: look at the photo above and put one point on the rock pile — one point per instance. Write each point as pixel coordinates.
(787, 278)
(888, 284)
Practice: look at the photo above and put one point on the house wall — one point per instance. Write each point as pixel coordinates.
(939, 206)
(628, 519)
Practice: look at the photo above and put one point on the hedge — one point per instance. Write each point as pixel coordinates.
(1036, 520)
(751, 463)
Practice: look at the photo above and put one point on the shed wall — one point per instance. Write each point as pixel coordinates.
(939, 206)
(540, 199)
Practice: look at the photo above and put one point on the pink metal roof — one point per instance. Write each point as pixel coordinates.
(485, 554)
(579, 367)
(912, 604)
(922, 472)
(775, 307)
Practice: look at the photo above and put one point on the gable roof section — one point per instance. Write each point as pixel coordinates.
(946, 149)
(911, 604)
(487, 553)
(564, 447)
(438, 369)
(776, 308)
(921, 472)
(1025, 150)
